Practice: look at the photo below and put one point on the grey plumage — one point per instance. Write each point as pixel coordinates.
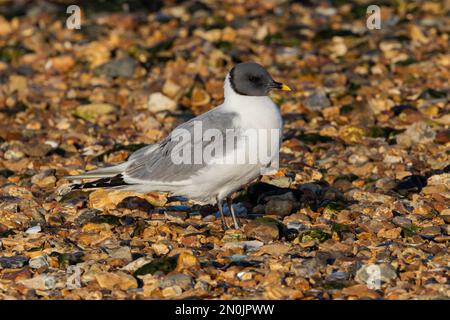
(153, 162)
(157, 165)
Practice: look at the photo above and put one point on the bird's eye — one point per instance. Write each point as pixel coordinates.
(253, 78)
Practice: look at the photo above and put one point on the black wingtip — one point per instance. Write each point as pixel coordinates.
(110, 182)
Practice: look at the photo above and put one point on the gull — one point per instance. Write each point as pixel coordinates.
(177, 163)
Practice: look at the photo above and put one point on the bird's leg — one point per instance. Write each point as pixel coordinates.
(219, 205)
(237, 224)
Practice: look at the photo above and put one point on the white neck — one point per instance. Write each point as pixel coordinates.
(233, 100)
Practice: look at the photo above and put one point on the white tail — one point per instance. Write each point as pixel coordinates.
(100, 173)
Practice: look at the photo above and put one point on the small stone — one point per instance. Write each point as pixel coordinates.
(296, 225)
(233, 235)
(351, 134)
(5, 27)
(38, 262)
(67, 259)
(123, 253)
(280, 182)
(379, 105)
(13, 154)
(279, 207)
(158, 102)
(243, 275)
(93, 237)
(246, 245)
(37, 150)
(136, 264)
(176, 216)
(171, 292)
(44, 179)
(402, 221)
(317, 101)
(164, 265)
(199, 97)
(274, 249)
(444, 120)
(314, 235)
(34, 125)
(61, 63)
(160, 249)
(328, 131)
(113, 280)
(439, 179)
(186, 261)
(392, 234)
(431, 231)
(446, 229)
(358, 159)
(209, 218)
(262, 230)
(91, 112)
(18, 83)
(360, 291)
(442, 137)
(95, 52)
(17, 275)
(418, 132)
(40, 282)
(370, 197)
(13, 262)
(118, 68)
(338, 47)
(228, 34)
(279, 292)
(390, 159)
(135, 203)
(387, 273)
(110, 199)
(182, 280)
(171, 89)
(338, 276)
(439, 189)
(34, 230)
(385, 184)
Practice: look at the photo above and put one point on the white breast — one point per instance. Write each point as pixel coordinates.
(255, 112)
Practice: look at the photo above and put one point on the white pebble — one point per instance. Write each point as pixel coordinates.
(34, 230)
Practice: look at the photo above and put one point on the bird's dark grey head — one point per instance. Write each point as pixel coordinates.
(251, 79)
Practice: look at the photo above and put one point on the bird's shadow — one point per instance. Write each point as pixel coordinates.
(315, 196)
